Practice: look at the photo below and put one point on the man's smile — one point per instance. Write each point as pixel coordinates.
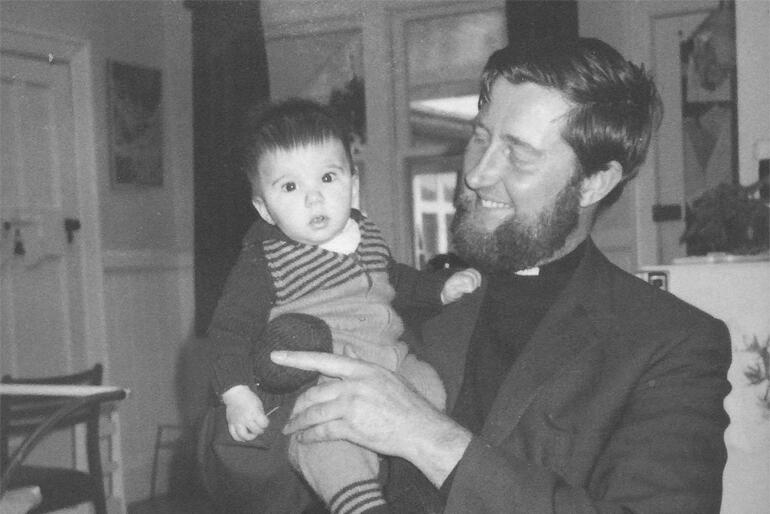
(492, 204)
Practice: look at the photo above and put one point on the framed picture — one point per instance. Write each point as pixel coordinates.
(135, 120)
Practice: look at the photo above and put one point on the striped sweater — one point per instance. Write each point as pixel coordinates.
(274, 274)
(299, 269)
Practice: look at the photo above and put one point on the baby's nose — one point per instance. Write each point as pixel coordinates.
(313, 197)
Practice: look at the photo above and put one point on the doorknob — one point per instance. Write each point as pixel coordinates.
(70, 226)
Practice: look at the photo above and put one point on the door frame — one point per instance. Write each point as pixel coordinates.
(398, 16)
(669, 144)
(77, 54)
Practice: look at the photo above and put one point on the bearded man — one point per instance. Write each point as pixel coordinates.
(572, 385)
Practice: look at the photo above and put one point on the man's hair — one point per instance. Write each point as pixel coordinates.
(616, 106)
(287, 125)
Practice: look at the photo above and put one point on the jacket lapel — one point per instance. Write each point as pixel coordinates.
(446, 338)
(567, 328)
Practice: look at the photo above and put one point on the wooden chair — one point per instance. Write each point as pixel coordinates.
(22, 415)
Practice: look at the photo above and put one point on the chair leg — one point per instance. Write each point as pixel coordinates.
(100, 502)
(154, 474)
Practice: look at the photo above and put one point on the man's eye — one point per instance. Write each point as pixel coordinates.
(327, 177)
(289, 187)
(514, 153)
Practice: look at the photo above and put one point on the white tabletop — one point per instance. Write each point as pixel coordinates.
(57, 390)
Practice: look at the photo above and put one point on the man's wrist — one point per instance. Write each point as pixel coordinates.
(440, 450)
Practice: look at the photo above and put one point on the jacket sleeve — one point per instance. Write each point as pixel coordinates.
(416, 289)
(239, 319)
(665, 452)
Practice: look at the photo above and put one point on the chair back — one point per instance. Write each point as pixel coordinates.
(21, 415)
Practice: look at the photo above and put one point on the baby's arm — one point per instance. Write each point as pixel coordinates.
(245, 415)
(241, 312)
(462, 282)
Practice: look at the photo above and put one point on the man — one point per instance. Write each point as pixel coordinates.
(572, 386)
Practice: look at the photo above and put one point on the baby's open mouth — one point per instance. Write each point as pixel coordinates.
(318, 220)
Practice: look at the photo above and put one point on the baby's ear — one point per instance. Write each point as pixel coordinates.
(261, 207)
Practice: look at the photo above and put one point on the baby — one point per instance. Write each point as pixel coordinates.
(314, 253)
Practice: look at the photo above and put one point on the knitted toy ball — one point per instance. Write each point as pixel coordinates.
(291, 331)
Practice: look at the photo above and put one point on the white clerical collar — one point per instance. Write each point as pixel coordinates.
(529, 272)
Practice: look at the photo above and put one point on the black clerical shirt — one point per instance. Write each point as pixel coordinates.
(512, 309)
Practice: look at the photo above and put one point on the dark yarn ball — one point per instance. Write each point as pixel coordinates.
(291, 331)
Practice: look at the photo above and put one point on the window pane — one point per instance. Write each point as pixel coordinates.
(445, 54)
(430, 233)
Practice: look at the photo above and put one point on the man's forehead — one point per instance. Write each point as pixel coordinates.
(523, 111)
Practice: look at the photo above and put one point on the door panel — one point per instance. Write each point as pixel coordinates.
(41, 299)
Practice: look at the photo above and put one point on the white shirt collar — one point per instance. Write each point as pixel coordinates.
(346, 241)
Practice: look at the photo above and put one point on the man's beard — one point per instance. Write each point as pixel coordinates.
(517, 243)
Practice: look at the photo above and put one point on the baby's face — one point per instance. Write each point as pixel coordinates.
(307, 191)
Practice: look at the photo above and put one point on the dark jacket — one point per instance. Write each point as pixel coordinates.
(615, 405)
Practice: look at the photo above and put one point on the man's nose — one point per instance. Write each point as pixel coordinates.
(482, 170)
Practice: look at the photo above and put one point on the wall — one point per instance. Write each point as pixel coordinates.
(132, 32)
(146, 232)
(752, 19)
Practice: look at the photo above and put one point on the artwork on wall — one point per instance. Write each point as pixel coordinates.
(709, 114)
(135, 124)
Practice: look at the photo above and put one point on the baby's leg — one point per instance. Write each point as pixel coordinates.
(425, 379)
(343, 474)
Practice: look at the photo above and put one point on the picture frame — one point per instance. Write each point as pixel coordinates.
(135, 119)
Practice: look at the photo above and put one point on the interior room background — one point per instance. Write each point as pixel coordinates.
(139, 244)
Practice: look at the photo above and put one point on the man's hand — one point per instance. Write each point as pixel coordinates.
(374, 408)
(245, 415)
(462, 282)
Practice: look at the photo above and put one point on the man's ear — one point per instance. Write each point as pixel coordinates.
(355, 184)
(259, 204)
(599, 185)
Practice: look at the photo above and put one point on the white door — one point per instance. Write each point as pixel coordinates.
(45, 314)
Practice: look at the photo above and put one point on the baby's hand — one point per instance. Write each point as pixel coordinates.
(245, 415)
(462, 282)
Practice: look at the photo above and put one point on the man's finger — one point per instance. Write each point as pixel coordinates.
(333, 431)
(322, 392)
(316, 414)
(327, 364)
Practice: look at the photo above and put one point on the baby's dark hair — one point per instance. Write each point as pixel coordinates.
(290, 124)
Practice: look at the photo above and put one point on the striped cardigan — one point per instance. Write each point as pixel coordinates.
(275, 274)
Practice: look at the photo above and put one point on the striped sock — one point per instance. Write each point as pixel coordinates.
(358, 498)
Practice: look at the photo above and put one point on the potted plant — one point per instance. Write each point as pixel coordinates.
(727, 218)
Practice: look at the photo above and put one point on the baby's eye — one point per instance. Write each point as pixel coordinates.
(289, 187)
(328, 177)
